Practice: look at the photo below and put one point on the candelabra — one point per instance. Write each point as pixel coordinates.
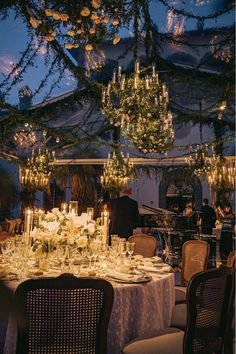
(117, 171)
(37, 171)
(139, 105)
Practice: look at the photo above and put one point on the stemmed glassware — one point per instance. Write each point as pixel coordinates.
(122, 247)
(130, 249)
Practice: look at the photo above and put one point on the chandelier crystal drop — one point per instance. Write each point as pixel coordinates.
(37, 171)
(117, 171)
(139, 105)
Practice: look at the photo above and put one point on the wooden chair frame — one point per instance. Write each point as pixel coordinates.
(149, 241)
(64, 282)
(185, 257)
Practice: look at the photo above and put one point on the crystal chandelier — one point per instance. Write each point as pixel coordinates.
(117, 171)
(139, 105)
(200, 162)
(37, 171)
(222, 175)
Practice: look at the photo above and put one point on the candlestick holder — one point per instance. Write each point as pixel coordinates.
(90, 212)
(64, 208)
(105, 226)
(73, 207)
(28, 224)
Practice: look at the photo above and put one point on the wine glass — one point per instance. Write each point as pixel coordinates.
(122, 247)
(130, 249)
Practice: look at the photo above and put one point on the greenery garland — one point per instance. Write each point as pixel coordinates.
(137, 11)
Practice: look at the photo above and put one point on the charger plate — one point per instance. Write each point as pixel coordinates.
(146, 278)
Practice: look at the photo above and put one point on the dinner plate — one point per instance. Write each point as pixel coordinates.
(145, 279)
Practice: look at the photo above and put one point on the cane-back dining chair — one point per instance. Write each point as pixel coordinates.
(231, 259)
(195, 255)
(64, 315)
(208, 297)
(145, 245)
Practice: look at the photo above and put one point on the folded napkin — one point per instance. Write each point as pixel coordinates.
(148, 268)
(166, 269)
(157, 259)
(125, 277)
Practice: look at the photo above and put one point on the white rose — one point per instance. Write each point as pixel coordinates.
(52, 226)
(50, 216)
(57, 213)
(83, 220)
(82, 241)
(91, 228)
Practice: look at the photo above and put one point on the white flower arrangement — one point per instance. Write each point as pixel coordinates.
(54, 228)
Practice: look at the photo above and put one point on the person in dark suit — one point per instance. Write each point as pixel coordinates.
(226, 239)
(208, 217)
(124, 214)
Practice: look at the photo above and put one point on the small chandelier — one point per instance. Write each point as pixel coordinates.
(37, 171)
(117, 171)
(200, 162)
(139, 105)
(222, 175)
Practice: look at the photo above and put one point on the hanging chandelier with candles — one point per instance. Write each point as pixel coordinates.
(117, 171)
(222, 175)
(139, 105)
(38, 169)
(200, 161)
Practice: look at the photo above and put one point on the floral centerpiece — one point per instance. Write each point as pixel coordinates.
(55, 228)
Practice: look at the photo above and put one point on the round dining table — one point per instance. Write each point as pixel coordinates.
(139, 308)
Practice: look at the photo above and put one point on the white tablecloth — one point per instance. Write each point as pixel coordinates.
(137, 309)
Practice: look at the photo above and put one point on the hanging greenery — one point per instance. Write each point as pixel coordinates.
(187, 85)
(82, 24)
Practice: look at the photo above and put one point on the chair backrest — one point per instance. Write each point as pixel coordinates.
(231, 259)
(144, 244)
(64, 315)
(208, 295)
(11, 226)
(195, 255)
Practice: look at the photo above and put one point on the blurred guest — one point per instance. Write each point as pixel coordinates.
(191, 216)
(226, 240)
(124, 214)
(208, 217)
(175, 209)
(188, 211)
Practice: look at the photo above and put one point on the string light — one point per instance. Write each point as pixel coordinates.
(221, 109)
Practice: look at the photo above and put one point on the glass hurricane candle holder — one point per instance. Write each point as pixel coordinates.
(64, 208)
(73, 207)
(28, 224)
(90, 212)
